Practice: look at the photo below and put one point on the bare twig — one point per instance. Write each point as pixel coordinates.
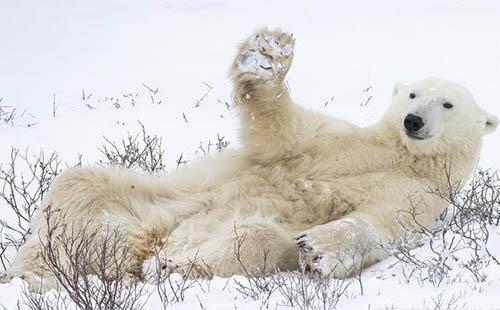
(199, 101)
(328, 102)
(181, 161)
(54, 105)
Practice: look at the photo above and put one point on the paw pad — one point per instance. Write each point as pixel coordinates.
(266, 55)
(256, 63)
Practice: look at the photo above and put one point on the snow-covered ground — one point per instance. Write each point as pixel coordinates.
(96, 66)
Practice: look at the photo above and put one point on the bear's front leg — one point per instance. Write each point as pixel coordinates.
(340, 248)
(272, 126)
(261, 65)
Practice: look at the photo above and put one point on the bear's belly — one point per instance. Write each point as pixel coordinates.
(288, 198)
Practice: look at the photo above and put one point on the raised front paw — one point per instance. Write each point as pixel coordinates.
(335, 249)
(265, 56)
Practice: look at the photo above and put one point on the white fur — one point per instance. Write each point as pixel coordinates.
(299, 173)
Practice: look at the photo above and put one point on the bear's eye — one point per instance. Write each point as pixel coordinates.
(447, 105)
(412, 96)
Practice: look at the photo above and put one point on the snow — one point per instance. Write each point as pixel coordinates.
(102, 61)
(256, 63)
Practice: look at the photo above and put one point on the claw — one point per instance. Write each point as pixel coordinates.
(300, 237)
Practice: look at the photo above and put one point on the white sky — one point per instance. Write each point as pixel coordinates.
(111, 47)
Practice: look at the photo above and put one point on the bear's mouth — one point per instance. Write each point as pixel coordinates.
(416, 135)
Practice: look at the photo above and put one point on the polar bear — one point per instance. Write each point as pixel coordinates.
(303, 186)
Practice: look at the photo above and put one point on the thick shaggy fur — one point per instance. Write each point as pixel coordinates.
(301, 177)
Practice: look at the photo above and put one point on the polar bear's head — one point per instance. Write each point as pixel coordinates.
(434, 115)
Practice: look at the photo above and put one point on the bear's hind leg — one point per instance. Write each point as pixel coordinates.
(257, 247)
(29, 266)
(254, 246)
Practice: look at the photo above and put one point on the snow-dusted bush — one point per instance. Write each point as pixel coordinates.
(298, 290)
(142, 152)
(24, 181)
(89, 266)
(460, 240)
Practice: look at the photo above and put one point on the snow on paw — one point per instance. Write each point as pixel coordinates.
(334, 249)
(266, 55)
(255, 63)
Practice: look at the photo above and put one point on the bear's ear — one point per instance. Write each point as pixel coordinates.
(397, 88)
(491, 123)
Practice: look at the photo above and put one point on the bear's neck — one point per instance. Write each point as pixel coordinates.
(454, 166)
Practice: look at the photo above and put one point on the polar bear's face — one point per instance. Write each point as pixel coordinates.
(435, 114)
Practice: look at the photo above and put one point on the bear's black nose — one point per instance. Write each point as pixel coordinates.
(413, 122)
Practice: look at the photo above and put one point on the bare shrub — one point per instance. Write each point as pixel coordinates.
(353, 260)
(172, 282)
(461, 238)
(454, 302)
(153, 94)
(474, 210)
(11, 116)
(7, 114)
(256, 284)
(309, 291)
(21, 194)
(444, 251)
(298, 289)
(221, 143)
(90, 264)
(33, 300)
(206, 148)
(142, 152)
